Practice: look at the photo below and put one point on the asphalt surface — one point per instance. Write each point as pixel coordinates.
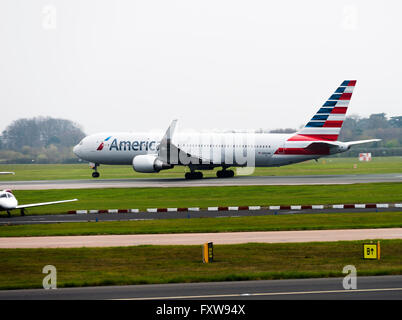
(16, 218)
(199, 238)
(376, 288)
(181, 182)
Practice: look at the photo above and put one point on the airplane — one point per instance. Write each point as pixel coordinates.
(152, 152)
(7, 172)
(9, 202)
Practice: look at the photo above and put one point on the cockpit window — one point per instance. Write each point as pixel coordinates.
(3, 195)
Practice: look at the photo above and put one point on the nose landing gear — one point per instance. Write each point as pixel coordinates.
(94, 166)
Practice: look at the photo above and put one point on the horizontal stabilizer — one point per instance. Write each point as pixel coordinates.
(352, 143)
(324, 147)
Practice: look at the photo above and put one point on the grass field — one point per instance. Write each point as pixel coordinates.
(142, 198)
(226, 224)
(324, 166)
(22, 268)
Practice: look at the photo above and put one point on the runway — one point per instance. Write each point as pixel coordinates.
(200, 238)
(181, 182)
(376, 287)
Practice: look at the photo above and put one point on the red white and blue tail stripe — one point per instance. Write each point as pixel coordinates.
(326, 124)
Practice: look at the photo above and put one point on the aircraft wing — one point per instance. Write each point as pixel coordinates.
(42, 204)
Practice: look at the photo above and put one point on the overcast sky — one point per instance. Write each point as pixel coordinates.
(212, 64)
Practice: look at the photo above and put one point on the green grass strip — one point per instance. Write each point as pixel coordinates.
(22, 268)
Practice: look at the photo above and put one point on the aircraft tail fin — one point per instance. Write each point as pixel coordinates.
(326, 124)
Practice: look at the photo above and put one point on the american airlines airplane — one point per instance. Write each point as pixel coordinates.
(152, 152)
(8, 202)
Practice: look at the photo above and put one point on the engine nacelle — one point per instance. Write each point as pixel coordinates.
(149, 163)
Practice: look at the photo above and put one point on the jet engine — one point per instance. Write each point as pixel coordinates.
(149, 163)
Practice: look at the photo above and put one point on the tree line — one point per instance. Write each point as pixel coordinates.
(377, 126)
(40, 140)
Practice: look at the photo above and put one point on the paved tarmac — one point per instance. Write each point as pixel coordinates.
(181, 182)
(376, 288)
(200, 238)
(17, 219)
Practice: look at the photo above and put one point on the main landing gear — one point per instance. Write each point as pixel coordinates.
(225, 173)
(220, 174)
(94, 167)
(193, 175)
(22, 211)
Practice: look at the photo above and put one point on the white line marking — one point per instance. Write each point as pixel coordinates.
(264, 294)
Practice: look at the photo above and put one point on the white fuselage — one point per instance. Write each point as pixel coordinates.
(224, 149)
(7, 201)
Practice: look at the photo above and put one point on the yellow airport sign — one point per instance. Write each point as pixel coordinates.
(371, 250)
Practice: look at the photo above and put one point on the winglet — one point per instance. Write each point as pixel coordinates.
(169, 132)
(166, 143)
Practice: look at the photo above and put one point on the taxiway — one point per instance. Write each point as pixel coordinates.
(181, 182)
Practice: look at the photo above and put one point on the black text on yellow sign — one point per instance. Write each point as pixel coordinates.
(371, 251)
(208, 252)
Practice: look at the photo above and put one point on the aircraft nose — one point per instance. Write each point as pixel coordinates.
(76, 150)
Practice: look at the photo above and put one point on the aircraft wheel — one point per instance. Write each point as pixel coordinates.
(225, 173)
(193, 175)
(95, 174)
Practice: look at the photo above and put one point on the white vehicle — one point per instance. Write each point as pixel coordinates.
(148, 152)
(8, 202)
(6, 172)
